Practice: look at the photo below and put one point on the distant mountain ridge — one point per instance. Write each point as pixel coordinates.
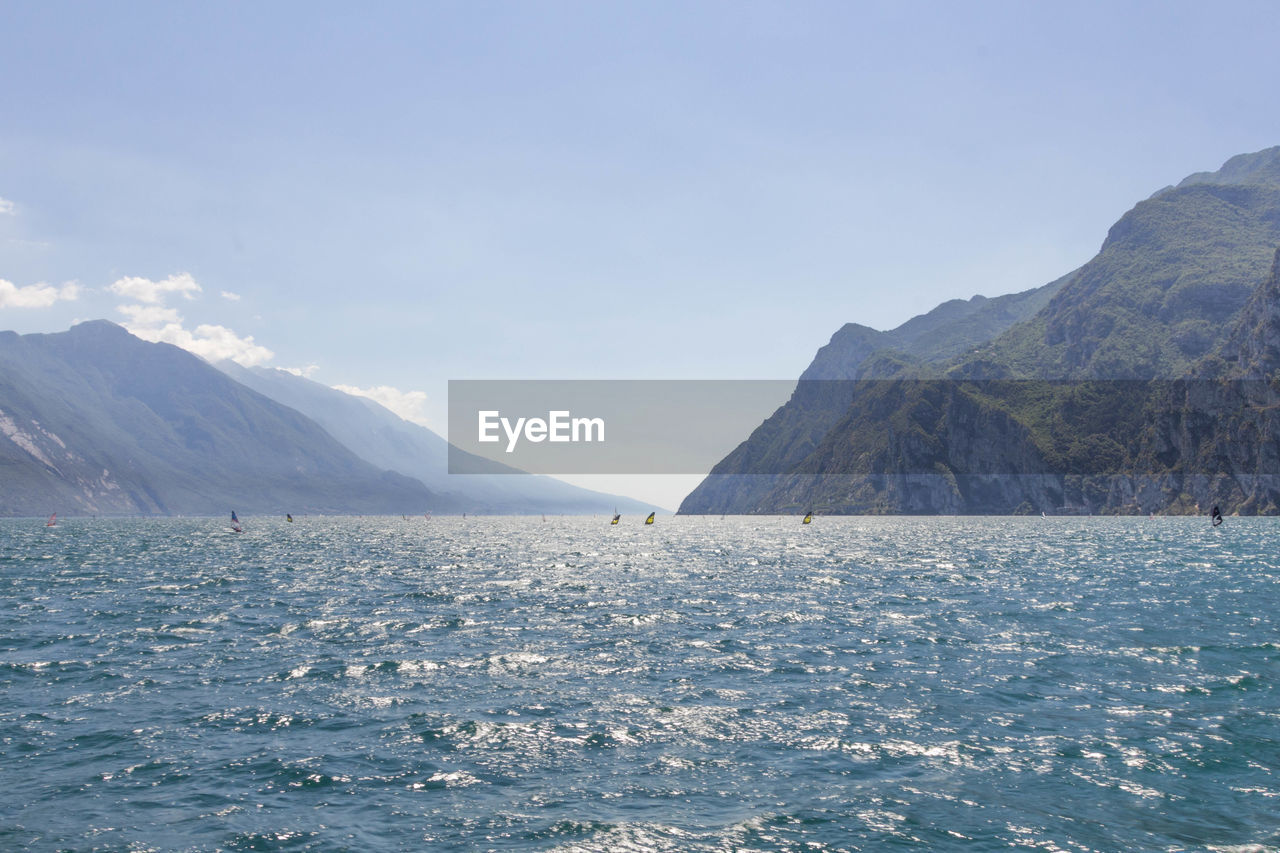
(1262, 168)
(96, 421)
(385, 440)
(934, 338)
(1181, 287)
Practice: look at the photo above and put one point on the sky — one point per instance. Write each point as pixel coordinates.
(388, 196)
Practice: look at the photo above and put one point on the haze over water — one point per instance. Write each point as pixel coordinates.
(702, 684)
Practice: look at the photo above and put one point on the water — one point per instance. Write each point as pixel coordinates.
(702, 684)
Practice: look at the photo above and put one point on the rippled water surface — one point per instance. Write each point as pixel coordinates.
(702, 684)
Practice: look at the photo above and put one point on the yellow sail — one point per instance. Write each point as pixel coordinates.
(649, 520)
(808, 518)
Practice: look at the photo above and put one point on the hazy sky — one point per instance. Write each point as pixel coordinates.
(400, 194)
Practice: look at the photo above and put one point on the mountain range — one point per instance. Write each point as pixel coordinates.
(1144, 381)
(97, 421)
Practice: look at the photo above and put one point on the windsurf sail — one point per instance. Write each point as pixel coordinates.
(1216, 516)
(53, 521)
(616, 516)
(649, 520)
(288, 517)
(808, 517)
(235, 523)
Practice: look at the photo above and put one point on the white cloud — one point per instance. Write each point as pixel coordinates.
(230, 297)
(150, 316)
(153, 292)
(6, 207)
(153, 321)
(36, 295)
(219, 342)
(213, 343)
(304, 372)
(410, 405)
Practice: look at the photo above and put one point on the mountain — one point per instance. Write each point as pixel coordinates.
(387, 441)
(924, 345)
(1162, 290)
(94, 420)
(1146, 361)
(949, 330)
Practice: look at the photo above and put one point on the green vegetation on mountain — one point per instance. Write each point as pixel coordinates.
(1158, 296)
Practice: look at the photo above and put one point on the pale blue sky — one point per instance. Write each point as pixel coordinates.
(407, 193)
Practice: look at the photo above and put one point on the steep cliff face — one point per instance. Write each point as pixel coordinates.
(1180, 291)
(1222, 441)
(1252, 350)
(1217, 435)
